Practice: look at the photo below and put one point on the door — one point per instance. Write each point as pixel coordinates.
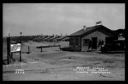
(94, 42)
(85, 43)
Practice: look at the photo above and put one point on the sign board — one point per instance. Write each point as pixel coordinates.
(15, 47)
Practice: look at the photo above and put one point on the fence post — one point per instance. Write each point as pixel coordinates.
(21, 46)
(41, 49)
(28, 49)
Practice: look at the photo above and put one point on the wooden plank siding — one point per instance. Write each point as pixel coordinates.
(75, 43)
(97, 34)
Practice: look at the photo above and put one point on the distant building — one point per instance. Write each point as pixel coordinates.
(119, 43)
(80, 39)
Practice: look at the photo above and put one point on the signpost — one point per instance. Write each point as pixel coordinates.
(8, 49)
(12, 48)
(15, 48)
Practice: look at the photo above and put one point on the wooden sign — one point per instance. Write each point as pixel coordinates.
(15, 47)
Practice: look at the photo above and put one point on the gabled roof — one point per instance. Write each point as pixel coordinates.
(91, 29)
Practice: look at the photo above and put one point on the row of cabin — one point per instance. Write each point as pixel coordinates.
(47, 38)
(79, 40)
(51, 38)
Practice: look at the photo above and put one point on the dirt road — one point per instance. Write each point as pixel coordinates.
(53, 64)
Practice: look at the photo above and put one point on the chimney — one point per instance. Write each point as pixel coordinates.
(84, 27)
(99, 23)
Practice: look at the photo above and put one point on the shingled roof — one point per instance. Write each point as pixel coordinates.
(88, 30)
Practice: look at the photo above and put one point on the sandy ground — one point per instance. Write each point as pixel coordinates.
(54, 64)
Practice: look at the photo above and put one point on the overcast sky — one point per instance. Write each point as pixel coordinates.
(56, 18)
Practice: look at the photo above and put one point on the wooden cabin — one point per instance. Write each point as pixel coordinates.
(79, 40)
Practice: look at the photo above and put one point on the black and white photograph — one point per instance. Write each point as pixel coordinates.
(63, 41)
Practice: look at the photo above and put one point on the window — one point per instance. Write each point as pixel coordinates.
(77, 41)
(85, 42)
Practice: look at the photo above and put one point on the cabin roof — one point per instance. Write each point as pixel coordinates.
(88, 30)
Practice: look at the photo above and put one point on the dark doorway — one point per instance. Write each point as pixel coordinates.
(94, 42)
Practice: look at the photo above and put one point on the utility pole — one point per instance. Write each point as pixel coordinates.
(21, 45)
